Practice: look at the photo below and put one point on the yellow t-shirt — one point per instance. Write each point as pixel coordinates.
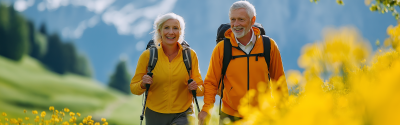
(169, 91)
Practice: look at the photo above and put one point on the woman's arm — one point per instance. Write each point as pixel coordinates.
(196, 76)
(136, 82)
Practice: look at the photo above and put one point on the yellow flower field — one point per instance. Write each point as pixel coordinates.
(56, 118)
(343, 83)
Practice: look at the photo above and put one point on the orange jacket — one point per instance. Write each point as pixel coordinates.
(169, 92)
(242, 74)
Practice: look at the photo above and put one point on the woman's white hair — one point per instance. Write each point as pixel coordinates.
(159, 22)
(251, 11)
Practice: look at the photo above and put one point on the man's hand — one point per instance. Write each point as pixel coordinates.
(202, 117)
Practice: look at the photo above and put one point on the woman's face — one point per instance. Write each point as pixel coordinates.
(170, 32)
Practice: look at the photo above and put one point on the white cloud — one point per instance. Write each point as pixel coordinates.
(41, 6)
(97, 6)
(93, 21)
(123, 57)
(141, 28)
(22, 5)
(140, 46)
(78, 31)
(55, 4)
(130, 20)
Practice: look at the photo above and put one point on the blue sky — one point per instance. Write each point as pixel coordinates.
(109, 30)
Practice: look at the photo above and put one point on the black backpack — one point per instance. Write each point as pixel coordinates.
(228, 52)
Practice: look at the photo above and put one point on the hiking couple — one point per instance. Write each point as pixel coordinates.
(177, 78)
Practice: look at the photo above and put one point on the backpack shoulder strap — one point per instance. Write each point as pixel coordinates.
(153, 58)
(225, 60)
(227, 56)
(267, 50)
(186, 54)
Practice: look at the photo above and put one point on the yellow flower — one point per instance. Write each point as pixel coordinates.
(37, 119)
(24, 110)
(89, 117)
(97, 123)
(27, 118)
(84, 121)
(13, 121)
(56, 120)
(79, 114)
(56, 111)
(43, 114)
(66, 109)
(294, 77)
(103, 119)
(105, 123)
(5, 119)
(4, 114)
(65, 123)
(80, 124)
(71, 114)
(73, 119)
(34, 112)
(51, 108)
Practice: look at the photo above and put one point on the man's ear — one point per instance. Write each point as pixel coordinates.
(253, 20)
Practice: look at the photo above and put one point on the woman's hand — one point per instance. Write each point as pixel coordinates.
(146, 79)
(192, 85)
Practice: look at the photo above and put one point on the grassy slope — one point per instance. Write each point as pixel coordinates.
(27, 85)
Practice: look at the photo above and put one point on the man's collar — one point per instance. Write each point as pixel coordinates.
(252, 39)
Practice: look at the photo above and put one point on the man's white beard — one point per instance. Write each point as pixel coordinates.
(240, 35)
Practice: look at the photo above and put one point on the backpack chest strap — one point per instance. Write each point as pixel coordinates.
(249, 55)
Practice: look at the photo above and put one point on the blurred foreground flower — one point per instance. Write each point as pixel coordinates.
(343, 83)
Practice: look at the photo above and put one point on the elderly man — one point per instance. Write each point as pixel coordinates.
(246, 70)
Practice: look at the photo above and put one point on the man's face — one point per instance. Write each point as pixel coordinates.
(240, 22)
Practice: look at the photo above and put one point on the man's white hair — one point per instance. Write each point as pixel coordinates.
(251, 11)
(159, 22)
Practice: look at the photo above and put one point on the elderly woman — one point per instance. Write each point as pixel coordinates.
(170, 99)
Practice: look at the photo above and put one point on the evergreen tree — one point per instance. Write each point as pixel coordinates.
(70, 56)
(84, 67)
(121, 78)
(14, 31)
(55, 56)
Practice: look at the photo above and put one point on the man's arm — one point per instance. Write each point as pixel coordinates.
(276, 66)
(212, 78)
